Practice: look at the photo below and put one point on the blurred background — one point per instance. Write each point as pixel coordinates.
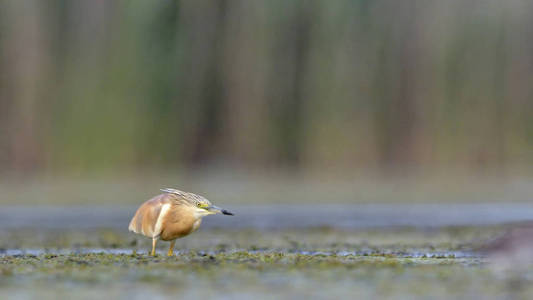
(366, 147)
(266, 101)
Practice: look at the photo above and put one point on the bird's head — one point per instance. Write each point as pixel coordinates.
(202, 206)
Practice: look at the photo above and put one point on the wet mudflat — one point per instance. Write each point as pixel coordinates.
(237, 263)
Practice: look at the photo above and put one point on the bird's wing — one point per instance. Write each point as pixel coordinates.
(148, 218)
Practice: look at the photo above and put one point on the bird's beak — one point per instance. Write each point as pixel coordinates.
(217, 210)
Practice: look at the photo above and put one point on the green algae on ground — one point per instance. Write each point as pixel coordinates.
(231, 272)
(401, 263)
(314, 239)
(100, 267)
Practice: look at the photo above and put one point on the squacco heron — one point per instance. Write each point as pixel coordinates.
(172, 215)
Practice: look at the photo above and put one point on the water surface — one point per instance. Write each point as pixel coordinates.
(343, 216)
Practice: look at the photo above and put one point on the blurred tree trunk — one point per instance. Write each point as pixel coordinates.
(289, 81)
(396, 107)
(25, 57)
(202, 83)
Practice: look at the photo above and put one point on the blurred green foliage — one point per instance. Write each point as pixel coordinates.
(303, 84)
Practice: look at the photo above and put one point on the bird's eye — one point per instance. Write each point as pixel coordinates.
(199, 204)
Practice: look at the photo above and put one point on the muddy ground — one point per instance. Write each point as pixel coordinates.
(238, 263)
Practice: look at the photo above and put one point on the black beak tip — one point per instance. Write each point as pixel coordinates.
(225, 212)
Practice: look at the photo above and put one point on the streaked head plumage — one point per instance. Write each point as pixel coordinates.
(189, 198)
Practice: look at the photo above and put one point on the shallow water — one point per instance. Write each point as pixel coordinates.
(280, 216)
(125, 251)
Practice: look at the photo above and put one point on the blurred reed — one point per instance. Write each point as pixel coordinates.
(309, 85)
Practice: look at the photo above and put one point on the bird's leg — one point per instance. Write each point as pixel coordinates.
(171, 249)
(154, 242)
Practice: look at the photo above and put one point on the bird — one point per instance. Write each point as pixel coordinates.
(172, 215)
